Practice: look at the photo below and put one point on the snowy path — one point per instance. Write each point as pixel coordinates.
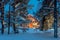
(48, 35)
(28, 36)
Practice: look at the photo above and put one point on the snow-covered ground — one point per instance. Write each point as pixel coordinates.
(30, 35)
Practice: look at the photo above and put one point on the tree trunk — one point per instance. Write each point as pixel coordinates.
(2, 18)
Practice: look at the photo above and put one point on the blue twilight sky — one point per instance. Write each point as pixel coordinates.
(36, 6)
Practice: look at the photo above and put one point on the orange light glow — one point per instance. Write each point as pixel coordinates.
(33, 23)
(30, 25)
